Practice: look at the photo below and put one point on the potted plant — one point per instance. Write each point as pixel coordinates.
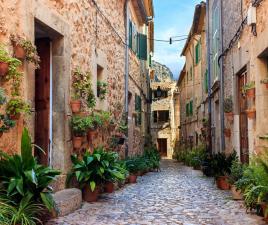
(15, 107)
(2, 96)
(78, 126)
(236, 174)
(93, 122)
(6, 124)
(228, 108)
(131, 165)
(251, 113)
(24, 49)
(249, 89)
(265, 81)
(8, 65)
(102, 89)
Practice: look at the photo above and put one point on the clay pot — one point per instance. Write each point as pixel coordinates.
(132, 179)
(222, 183)
(251, 93)
(19, 52)
(90, 196)
(251, 113)
(109, 187)
(266, 85)
(91, 134)
(75, 106)
(227, 132)
(77, 142)
(230, 116)
(14, 117)
(3, 68)
(237, 195)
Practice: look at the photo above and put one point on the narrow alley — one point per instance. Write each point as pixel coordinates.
(176, 195)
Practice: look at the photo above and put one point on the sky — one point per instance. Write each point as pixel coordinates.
(172, 18)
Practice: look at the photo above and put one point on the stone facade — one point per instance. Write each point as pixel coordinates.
(86, 35)
(163, 120)
(191, 83)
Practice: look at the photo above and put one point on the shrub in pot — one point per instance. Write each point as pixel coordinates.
(8, 65)
(265, 81)
(131, 165)
(6, 124)
(24, 180)
(249, 89)
(78, 126)
(15, 107)
(228, 108)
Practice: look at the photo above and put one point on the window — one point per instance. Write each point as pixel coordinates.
(215, 41)
(191, 73)
(198, 52)
(189, 108)
(99, 78)
(206, 82)
(161, 116)
(138, 110)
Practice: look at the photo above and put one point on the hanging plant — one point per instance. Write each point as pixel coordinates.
(228, 108)
(8, 65)
(102, 89)
(5, 124)
(16, 106)
(24, 49)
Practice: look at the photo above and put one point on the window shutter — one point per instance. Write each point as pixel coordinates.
(187, 109)
(143, 46)
(155, 116)
(130, 34)
(191, 108)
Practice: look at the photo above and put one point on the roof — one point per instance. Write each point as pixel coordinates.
(200, 12)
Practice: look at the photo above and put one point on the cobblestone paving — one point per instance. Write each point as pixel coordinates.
(176, 195)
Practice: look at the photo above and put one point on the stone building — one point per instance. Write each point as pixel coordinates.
(163, 124)
(192, 83)
(244, 61)
(110, 39)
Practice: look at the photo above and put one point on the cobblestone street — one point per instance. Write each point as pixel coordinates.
(176, 195)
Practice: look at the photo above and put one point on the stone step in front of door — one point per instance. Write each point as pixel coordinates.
(67, 201)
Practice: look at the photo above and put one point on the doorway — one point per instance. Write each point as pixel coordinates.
(162, 146)
(243, 119)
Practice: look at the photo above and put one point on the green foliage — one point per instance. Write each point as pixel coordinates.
(6, 123)
(96, 168)
(228, 105)
(21, 175)
(26, 212)
(237, 170)
(248, 86)
(2, 96)
(102, 89)
(16, 106)
(79, 125)
(29, 48)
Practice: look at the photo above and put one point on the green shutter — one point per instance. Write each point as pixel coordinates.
(191, 108)
(198, 52)
(142, 46)
(206, 81)
(187, 109)
(130, 34)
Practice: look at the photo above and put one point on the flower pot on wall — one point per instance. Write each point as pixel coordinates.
(75, 106)
(90, 196)
(251, 113)
(77, 142)
(109, 187)
(237, 195)
(14, 116)
(3, 68)
(19, 52)
(227, 132)
(132, 178)
(222, 183)
(229, 116)
(251, 93)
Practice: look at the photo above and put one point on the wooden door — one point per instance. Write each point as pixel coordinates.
(243, 119)
(42, 100)
(162, 146)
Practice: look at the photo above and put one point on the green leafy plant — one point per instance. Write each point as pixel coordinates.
(236, 173)
(102, 89)
(6, 123)
(17, 106)
(228, 105)
(21, 175)
(205, 122)
(2, 96)
(79, 125)
(29, 48)
(248, 86)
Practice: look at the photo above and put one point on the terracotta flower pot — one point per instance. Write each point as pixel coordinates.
(266, 85)
(90, 196)
(227, 132)
(91, 134)
(222, 183)
(230, 116)
(3, 68)
(251, 93)
(237, 195)
(251, 113)
(109, 187)
(14, 117)
(19, 52)
(77, 142)
(132, 179)
(75, 106)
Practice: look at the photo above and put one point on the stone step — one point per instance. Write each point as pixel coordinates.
(67, 201)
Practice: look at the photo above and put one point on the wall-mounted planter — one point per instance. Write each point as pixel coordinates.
(227, 132)
(251, 113)
(3, 68)
(14, 116)
(19, 52)
(230, 116)
(77, 142)
(251, 93)
(75, 106)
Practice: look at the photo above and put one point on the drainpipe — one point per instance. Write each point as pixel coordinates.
(222, 85)
(209, 78)
(126, 67)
